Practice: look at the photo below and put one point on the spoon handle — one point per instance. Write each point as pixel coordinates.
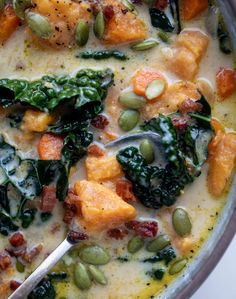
(32, 281)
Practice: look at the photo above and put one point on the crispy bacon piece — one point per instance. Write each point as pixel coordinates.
(32, 253)
(14, 285)
(17, 239)
(95, 150)
(100, 122)
(15, 252)
(180, 122)
(5, 261)
(75, 236)
(109, 12)
(71, 206)
(124, 189)
(161, 4)
(190, 106)
(49, 199)
(117, 233)
(143, 228)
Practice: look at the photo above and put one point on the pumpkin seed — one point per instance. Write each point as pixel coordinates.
(145, 45)
(99, 25)
(81, 276)
(128, 120)
(155, 89)
(178, 266)
(131, 100)
(163, 36)
(39, 25)
(2, 4)
(20, 6)
(20, 267)
(82, 33)
(181, 222)
(159, 243)
(130, 6)
(147, 150)
(135, 244)
(94, 255)
(97, 275)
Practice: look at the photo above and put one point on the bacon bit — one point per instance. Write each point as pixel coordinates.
(70, 205)
(75, 236)
(144, 228)
(124, 189)
(49, 199)
(226, 82)
(161, 4)
(109, 12)
(95, 150)
(55, 227)
(100, 122)
(16, 252)
(117, 233)
(190, 106)
(14, 285)
(32, 253)
(180, 122)
(5, 261)
(17, 239)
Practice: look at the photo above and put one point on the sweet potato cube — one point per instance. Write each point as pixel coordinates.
(191, 8)
(194, 41)
(9, 23)
(221, 163)
(101, 208)
(36, 121)
(226, 82)
(102, 168)
(123, 27)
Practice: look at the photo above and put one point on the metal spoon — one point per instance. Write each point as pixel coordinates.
(34, 279)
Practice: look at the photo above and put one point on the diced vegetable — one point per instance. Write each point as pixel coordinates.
(155, 89)
(226, 82)
(102, 168)
(36, 121)
(143, 78)
(101, 208)
(9, 22)
(192, 8)
(221, 163)
(128, 119)
(50, 146)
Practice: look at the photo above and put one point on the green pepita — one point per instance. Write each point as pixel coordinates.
(155, 89)
(20, 267)
(163, 36)
(39, 25)
(81, 276)
(147, 151)
(128, 120)
(181, 222)
(20, 6)
(159, 243)
(82, 33)
(135, 244)
(99, 25)
(94, 255)
(130, 6)
(97, 275)
(130, 100)
(178, 266)
(2, 4)
(145, 45)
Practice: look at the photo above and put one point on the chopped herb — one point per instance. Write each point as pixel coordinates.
(45, 216)
(44, 290)
(103, 54)
(166, 255)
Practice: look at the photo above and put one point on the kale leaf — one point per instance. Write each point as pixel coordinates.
(167, 255)
(7, 224)
(160, 20)
(103, 54)
(44, 290)
(87, 90)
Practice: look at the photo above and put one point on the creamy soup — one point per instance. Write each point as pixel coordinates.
(147, 215)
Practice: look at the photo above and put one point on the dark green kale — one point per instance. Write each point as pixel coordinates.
(224, 39)
(7, 224)
(15, 119)
(103, 54)
(27, 217)
(167, 255)
(45, 290)
(160, 20)
(175, 11)
(45, 216)
(57, 276)
(157, 273)
(86, 90)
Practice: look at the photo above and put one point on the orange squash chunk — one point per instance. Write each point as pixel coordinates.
(221, 163)
(123, 28)
(64, 16)
(36, 121)
(226, 82)
(101, 208)
(143, 78)
(195, 41)
(102, 168)
(192, 8)
(9, 22)
(49, 147)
